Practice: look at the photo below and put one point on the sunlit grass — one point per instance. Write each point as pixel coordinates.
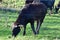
(50, 28)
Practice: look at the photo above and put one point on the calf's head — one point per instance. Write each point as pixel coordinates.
(16, 29)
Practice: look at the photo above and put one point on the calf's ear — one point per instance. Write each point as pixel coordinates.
(13, 26)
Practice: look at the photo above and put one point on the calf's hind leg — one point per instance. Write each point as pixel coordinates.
(38, 27)
(39, 22)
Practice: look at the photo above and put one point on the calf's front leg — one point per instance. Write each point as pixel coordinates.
(33, 28)
(24, 32)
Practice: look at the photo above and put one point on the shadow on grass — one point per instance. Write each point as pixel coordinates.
(46, 28)
(56, 15)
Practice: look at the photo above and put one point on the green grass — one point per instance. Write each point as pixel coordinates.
(12, 3)
(49, 30)
(56, 2)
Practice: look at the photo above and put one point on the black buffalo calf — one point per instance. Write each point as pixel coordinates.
(30, 13)
(15, 31)
(48, 3)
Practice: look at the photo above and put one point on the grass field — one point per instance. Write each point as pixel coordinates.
(50, 29)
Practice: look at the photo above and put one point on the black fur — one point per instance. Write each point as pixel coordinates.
(29, 14)
(15, 31)
(48, 3)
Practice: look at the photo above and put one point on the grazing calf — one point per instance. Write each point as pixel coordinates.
(48, 3)
(15, 30)
(30, 13)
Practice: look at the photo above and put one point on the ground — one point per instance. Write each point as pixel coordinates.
(50, 29)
